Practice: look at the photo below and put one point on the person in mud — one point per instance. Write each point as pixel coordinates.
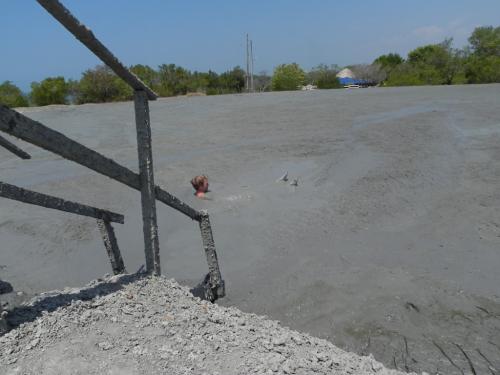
(200, 185)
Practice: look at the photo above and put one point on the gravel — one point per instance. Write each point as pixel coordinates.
(133, 324)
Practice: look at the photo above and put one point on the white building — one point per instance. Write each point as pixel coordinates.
(346, 73)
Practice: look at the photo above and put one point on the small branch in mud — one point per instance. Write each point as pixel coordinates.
(406, 354)
(467, 358)
(406, 346)
(447, 356)
(495, 345)
(368, 343)
(491, 367)
(483, 310)
(487, 312)
(412, 306)
(462, 315)
(394, 362)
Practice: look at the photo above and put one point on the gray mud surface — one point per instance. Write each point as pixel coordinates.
(388, 245)
(129, 325)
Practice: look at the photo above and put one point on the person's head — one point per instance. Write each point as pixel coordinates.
(200, 184)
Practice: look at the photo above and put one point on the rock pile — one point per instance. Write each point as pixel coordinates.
(5, 288)
(140, 325)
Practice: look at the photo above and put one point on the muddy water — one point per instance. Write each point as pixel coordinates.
(388, 245)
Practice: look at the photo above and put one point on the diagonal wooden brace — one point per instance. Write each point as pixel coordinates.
(48, 201)
(13, 148)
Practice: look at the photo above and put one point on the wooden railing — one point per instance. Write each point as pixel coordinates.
(28, 130)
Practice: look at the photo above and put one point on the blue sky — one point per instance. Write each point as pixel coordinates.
(202, 35)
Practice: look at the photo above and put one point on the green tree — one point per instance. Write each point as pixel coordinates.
(173, 80)
(213, 83)
(262, 81)
(433, 64)
(147, 75)
(389, 61)
(232, 81)
(436, 63)
(52, 90)
(483, 64)
(485, 41)
(73, 90)
(483, 69)
(11, 95)
(324, 76)
(198, 82)
(287, 77)
(404, 75)
(101, 85)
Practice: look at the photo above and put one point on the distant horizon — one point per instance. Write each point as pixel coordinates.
(211, 36)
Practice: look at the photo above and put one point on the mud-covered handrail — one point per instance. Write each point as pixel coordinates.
(20, 126)
(31, 131)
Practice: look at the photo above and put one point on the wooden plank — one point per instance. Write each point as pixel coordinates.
(48, 201)
(13, 148)
(111, 245)
(216, 283)
(22, 127)
(86, 36)
(146, 174)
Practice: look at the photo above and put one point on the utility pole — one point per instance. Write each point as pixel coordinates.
(247, 83)
(252, 87)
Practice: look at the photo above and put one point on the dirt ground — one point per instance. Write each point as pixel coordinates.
(388, 245)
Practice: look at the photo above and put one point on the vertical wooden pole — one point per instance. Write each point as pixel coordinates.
(146, 174)
(247, 81)
(252, 88)
(111, 245)
(216, 283)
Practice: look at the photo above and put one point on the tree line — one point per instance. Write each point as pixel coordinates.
(102, 85)
(441, 64)
(433, 64)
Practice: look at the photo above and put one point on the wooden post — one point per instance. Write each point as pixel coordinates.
(216, 284)
(146, 175)
(13, 148)
(111, 245)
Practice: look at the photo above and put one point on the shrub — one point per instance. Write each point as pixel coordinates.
(287, 77)
(11, 95)
(52, 90)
